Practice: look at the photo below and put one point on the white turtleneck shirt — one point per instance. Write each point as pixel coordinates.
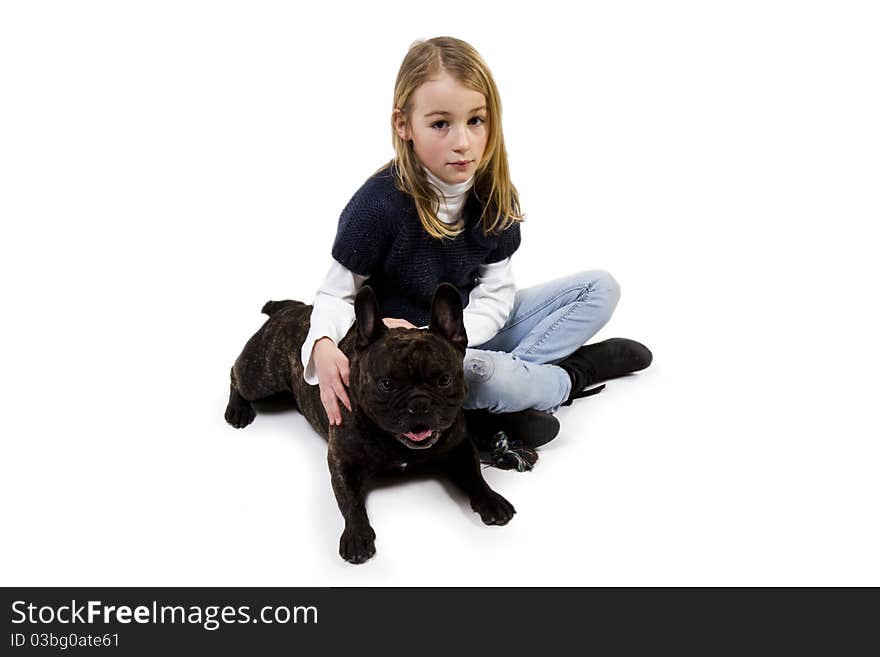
(489, 303)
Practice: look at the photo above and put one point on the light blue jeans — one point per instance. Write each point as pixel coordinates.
(516, 369)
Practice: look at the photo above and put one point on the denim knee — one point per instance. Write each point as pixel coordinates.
(600, 284)
(478, 368)
(601, 281)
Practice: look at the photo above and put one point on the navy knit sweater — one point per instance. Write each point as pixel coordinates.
(380, 236)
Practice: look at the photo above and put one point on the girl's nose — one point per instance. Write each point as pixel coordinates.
(461, 140)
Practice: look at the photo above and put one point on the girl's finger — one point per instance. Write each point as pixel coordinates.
(340, 392)
(345, 373)
(337, 416)
(331, 407)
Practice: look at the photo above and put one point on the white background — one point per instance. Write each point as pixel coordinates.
(167, 167)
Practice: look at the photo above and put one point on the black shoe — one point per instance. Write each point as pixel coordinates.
(529, 427)
(601, 361)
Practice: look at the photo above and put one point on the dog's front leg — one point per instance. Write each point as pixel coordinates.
(357, 543)
(463, 468)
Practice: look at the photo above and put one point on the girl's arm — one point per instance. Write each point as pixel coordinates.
(490, 302)
(332, 315)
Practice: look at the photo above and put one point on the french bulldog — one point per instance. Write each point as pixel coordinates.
(407, 387)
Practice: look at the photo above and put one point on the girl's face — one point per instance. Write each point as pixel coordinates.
(447, 125)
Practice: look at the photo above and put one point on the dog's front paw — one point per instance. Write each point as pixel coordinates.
(240, 415)
(493, 509)
(356, 545)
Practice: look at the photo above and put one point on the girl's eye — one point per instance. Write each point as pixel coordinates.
(478, 118)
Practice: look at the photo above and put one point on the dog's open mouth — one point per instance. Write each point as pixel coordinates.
(419, 437)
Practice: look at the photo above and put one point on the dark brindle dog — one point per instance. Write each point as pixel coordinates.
(407, 388)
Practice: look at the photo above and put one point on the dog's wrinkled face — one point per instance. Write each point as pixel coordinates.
(410, 382)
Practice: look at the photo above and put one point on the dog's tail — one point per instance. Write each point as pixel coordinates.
(272, 307)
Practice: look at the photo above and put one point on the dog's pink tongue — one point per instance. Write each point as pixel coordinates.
(418, 436)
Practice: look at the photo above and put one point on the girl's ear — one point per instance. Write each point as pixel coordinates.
(400, 124)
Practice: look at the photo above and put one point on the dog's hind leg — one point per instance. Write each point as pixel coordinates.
(239, 411)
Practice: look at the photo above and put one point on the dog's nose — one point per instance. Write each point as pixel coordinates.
(419, 404)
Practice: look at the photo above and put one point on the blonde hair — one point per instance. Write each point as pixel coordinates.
(492, 187)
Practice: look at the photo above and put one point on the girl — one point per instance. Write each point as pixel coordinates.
(444, 209)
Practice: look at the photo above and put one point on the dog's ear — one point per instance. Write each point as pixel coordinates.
(366, 311)
(447, 317)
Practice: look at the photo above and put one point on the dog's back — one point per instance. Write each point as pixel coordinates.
(264, 366)
(271, 363)
(272, 307)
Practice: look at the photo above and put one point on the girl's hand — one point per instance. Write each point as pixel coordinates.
(331, 365)
(397, 323)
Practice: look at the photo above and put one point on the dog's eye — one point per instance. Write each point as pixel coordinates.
(445, 380)
(386, 384)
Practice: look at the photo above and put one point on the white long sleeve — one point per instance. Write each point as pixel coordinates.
(490, 302)
(332, 315)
